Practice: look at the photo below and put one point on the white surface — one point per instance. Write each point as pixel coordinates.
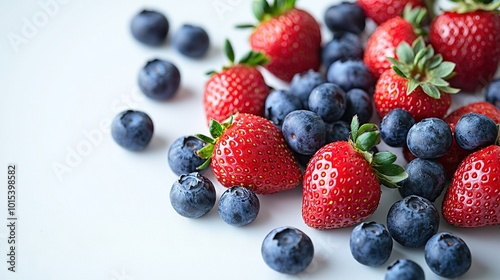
(110, 216)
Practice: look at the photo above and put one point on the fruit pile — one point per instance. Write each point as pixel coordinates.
(321, 132)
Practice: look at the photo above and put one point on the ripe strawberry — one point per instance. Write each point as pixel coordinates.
(416, 83)
(381, 11)
(469, 36)
(250, 151)
(239, 87)
(291, 37)
(341, 185)
(473, 198)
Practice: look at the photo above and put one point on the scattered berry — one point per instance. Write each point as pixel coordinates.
(426, 178)
(132, 130)
(345, 17)
(358, 103)
(474, 131)
(280, 103)
(159, 79)
(337, 131)
(238, 206)
(328, 101)
(492, 93)
(191, 41)
(304, 131)
(394, 127)
(429, 138)
(404, 269)
(447, 255)
(343, 46)
(370, 244)
(381, 11)
(303, 83)
(351, 74)
(149, 27)
(182, 157)
(192, 195)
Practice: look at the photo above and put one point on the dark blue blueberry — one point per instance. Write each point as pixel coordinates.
(191, 41)
(303, 160)
(493, 93)
(404, 269)
(447, 255)
(182, 157)
(149, 27)
(280, 103)
(343, 46)
(287, 250)
(304, 131)
(351, 74)
(345, 17)
(328, 101)
(474, 131)
(132, 130)
(358, 102)
(426, 178)
(238, 206)
(192, 195)
(159, 79)
(337, 131)
(412, 220)
(394, 127)
(370, 244)
(303, 83)
(430, 138)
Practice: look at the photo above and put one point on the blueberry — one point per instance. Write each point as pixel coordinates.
(346, 16)
(238, 206)
(351, 74)
(430, 138)
(159, 79)
(343, 46)
(303, 83)
(303, 160)
(280, 103)
(191, 41)
(412, 220)
(304, 131)
(358, 102)
(426, 178)
(337, 131)
(394, 127)
(328, 101)
(474, 131)
(192, 195)
(404, 269)
(492, 93)
(182, 157)
(370, 244)
(287, 250)
(447, 255)
(149, 27)
(132, 130)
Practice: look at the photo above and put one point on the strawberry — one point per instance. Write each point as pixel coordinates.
(290, 37)
(473, 197)
(239, 87)
(416, 83)
(250, 151)
(381, 11)
(341, 185)
(469, 36)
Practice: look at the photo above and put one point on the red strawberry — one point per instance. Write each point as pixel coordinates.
(381, 11)
(473, 198)
(238, 87)
(416, 83)
(291, 37)
(250, 151)
(341, 185)
(469, 37)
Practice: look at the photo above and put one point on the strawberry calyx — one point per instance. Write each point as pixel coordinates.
(466, 6)
(422, 68)
(264, 11)
(363, 139)
(415, 16)
(251, 58)
(216, 129)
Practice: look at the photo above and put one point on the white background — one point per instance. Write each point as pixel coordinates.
(109, 216)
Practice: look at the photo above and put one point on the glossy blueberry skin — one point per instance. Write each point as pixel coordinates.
(304, 131)
(404, 269)
(303, 83)
(370, 244)
(394, 127)
(191, 41)
(192, 195)
(149, 27)
(492, 92)
(358, 102)
(412, 220)
(328, 101)
(447, 255)
(474, 131)
(343, 46)
(345, 17)
(430, 138)
(159, 79)
(182, 157)
(287, 250)
(426, 178)
(132, 130)
(238, 206)
(337, 131)
(280, 103)
(351, 74)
